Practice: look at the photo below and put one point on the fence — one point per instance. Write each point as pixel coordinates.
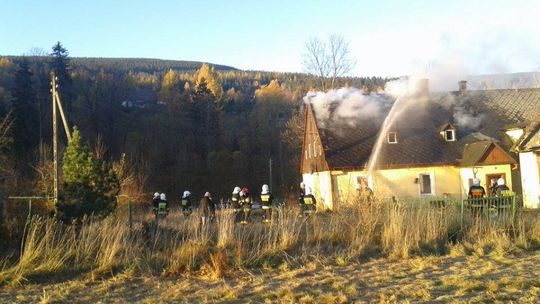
(495, 210)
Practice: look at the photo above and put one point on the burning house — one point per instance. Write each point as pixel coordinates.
(421, 145)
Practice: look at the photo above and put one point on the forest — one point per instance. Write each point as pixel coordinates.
(160, 125)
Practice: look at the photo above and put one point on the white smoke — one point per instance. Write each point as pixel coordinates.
(465, 119)
(345, 106)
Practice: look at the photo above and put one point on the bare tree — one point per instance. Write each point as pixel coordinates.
(328, 61)
(341, 60)
(316, 60)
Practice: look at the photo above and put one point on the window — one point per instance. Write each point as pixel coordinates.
(320, 150)
(426, 186)
(306, 154)
(450, 135)
(309, 150)
(392, 137)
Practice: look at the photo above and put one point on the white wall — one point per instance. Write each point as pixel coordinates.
(321, 184)
(530, 181)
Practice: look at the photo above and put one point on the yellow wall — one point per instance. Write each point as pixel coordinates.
(446, 181)
(398, 182)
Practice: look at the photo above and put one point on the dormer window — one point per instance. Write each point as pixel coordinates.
(392, 137)
(448, 132)
(450, 135)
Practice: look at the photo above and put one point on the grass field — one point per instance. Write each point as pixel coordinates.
(378, 253)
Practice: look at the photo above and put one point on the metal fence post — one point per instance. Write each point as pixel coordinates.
(461, 216)
(129, 216)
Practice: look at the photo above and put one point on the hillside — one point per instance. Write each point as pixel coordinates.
(147, 65)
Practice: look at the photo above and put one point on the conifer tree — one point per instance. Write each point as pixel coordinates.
(89, 185)
(26, 124)
(60, 65)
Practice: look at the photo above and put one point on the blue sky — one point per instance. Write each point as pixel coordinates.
(388, 38)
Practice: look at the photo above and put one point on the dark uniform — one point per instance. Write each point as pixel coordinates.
(310, 204)
(477, 192)
(266, 203)
(185, 204)
(501, 190)
(245, 202)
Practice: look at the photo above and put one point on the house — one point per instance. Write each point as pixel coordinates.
(528, 149)
(435, 148)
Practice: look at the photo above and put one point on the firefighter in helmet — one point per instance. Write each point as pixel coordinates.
(185, 203)
(245, 202)
(309, 202)
(476, 191)
(266, 203)
(235, 203)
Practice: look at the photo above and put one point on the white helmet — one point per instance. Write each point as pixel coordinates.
(476, 182)
(156, 195)
(500, 181)
(186, 194)
(207, 194)
(236, 190)
(162, 197)
(265, 189)
(302, 185)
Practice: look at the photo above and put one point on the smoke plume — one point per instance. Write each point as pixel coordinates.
(346, 106)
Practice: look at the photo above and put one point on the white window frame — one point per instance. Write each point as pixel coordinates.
(432, 183)
(453, 135)
(388, 138)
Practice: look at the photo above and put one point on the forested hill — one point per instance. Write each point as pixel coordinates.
(147, 65)
(181, 125)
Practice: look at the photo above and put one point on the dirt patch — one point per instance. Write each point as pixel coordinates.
(433, 279)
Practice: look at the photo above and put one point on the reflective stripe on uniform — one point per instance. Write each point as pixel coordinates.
(184, 202)
(265, 197)
(308, 200)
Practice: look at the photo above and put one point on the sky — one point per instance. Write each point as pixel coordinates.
(387, 38)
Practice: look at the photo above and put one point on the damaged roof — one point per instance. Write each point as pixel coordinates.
(530, 140)
(419, 138)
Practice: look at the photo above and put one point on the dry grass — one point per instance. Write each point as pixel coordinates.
(221, 250)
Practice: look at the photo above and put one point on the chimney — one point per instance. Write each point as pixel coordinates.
(422, 87)
(462, 86)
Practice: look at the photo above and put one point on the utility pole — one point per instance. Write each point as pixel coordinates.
(56, 103)
(270, 171)
(55, 140)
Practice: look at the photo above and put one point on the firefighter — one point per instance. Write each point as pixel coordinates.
(235, 203)
(492, 187)
(476, 191)
(245, 202)
(309, 203)
(155, 201)
(301, 194)
(501, 189)
(266, 203)
(363, 191)
(207, 208)
(185, 203)
(163, 206)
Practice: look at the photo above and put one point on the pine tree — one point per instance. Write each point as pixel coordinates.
(60, 65)
(26, 124)
(89, 185)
